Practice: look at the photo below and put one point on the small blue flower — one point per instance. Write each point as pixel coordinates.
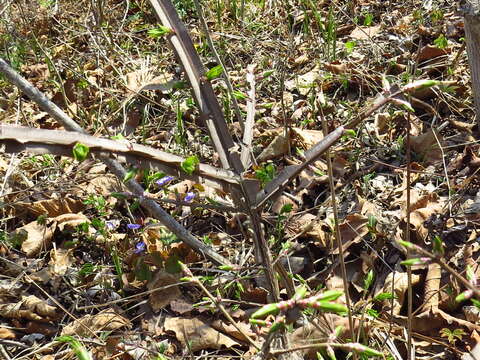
(110, 225)
(163, 181)
(140, 247)
(189, 196)
(134, 226)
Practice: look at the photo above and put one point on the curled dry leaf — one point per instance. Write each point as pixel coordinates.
(232, 331)
(60, 261)
(106, 320)
(51, 207)
(399, 282)
(6, 333)
(197, 335)
(30, 308)
(37, 236)
(103, 185)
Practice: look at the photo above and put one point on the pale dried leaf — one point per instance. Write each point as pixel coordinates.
(6, 333)
(106, 320)
(365, 32)
(277, 148)
(39, 237)
(232, 331)
(197, 335)
(400, 286)
(60, 261)
(50, 208)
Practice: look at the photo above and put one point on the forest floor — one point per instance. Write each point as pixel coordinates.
(86, 272)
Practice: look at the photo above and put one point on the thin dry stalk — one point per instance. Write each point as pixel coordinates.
(338, 236)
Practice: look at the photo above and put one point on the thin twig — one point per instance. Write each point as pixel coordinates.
(338, 235)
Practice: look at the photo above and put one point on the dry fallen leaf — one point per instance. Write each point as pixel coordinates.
(275, 149)
(233, 331)
(365, 32)
(51, 207)
(161, 298)
(6, 333)
(106, 320)
(38, 237)
(30, 308)
(400, 286)
(60, 261)
(197, 335)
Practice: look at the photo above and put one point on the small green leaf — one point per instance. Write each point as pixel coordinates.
(119, 195)
(414, 261)
(405, 244)
(189, 164)
(300, 293)
(368, 281)
(364, 350)
(226, 267)
(467, 294)
(329, 295)
(402, 103)
(214, 72)
(286, 208)
(475, 302)
(438, 245)
(383, 296)
(350, 133)
(470, 274)
(239, 95)
(267, 73)
(258, 322)
(117, 137)
(421, 84)
(159, 32)
(80, 151)
(130, 174)
(276, 326)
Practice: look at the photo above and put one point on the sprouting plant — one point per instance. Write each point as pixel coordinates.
(452, 335)
(441, 41)
(79, 350)
(87, 269)
(368, 19)
(280, 224)
(266, 173)
(368, 281)
(349, 46)
(180, 133)
(117, 263)
(190, 164)
(436, 15)
(98, 202)
(372, 224)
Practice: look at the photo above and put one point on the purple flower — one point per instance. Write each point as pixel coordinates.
(164, 180)
(189, 196)
(110, 225)
(134, 226)
(140, 247)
